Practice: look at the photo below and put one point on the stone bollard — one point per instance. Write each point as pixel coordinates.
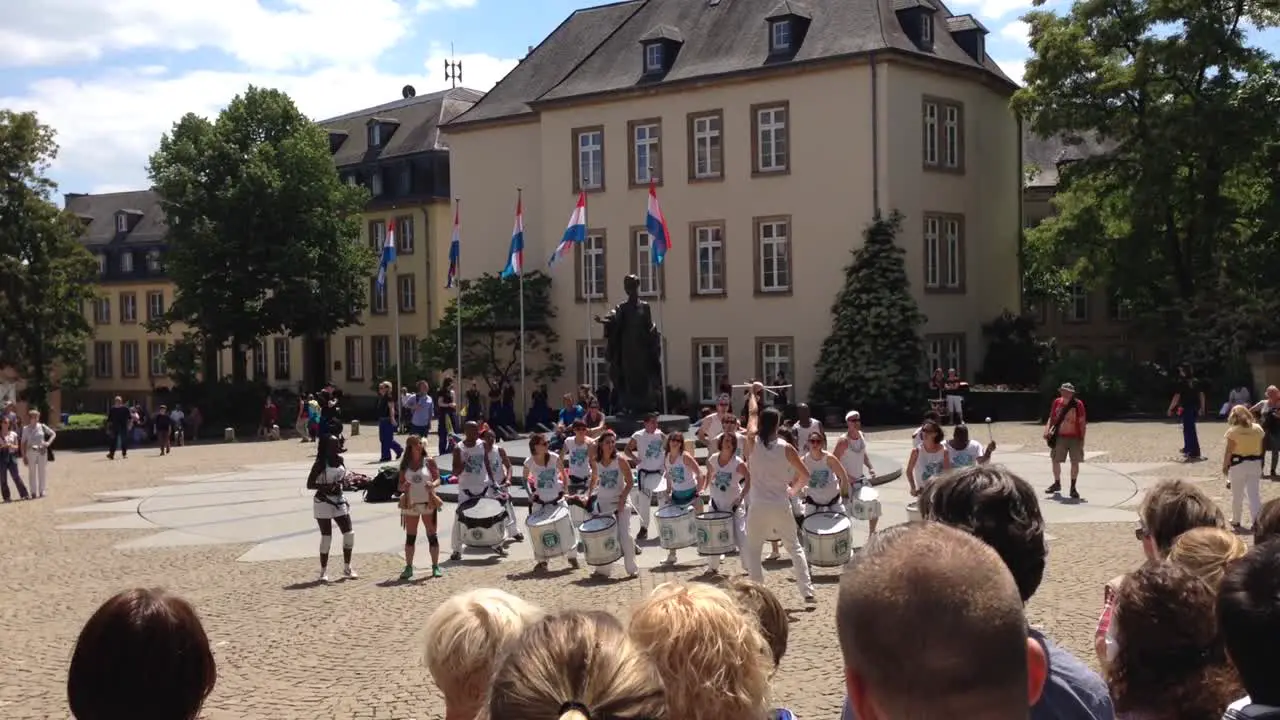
(355, 428)
(229, 434)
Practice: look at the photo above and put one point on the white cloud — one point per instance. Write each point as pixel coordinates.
(433, 5)
(110, 124)
(1013, 68)
(305, 33)
(1017, 31)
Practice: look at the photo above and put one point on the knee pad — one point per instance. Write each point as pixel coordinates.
(433, 540)
(410, 540)
(326, 542)
(348, 540)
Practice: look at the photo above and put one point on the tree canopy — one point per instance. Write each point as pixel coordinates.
(263, 236)
(491, 332)
(1181, 212)
(46, 275)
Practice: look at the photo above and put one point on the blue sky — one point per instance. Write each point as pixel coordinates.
(112, 76)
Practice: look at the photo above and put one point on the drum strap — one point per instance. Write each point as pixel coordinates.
(541, 504)
(644, 474)
(326, 495)
(810, 501)
(715, 506)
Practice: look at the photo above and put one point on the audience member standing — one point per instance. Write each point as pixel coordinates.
(119, 425)
(1187, 403)
(1065, 433)
(1268, 410)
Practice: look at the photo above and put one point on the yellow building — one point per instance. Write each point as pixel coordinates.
(775, 131)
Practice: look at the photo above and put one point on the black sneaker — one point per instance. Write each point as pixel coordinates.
(1075, 494)
(643, 534)
(519, 537)
(455, 556)
(1053, 489)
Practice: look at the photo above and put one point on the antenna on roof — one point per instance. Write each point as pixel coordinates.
(452, 69)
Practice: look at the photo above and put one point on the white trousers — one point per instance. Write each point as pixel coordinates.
(643, 502)
(955, 405)
(739, 533)
(627, 542)
(37, 472)
(774, 520)
(1245, 479)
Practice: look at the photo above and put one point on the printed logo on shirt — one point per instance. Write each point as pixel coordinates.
(652, 451)
(609, 478)
(546, 478)
(819, 478)
(473, 464)
(578, 456)
(724, 480)
(931, 469)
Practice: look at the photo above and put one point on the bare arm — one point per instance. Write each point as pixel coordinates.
(834, 464)
(506, 466)
(630, 450)
(52, 435)
(911, 469)
(1226, 455)
(746, 483)
(624, 468)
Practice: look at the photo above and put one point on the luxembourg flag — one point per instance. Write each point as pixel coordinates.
(455, 250)
(656, 224)
(515, 259)
(388, 255)
(575, 234)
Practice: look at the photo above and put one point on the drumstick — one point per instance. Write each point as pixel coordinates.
(989, 435)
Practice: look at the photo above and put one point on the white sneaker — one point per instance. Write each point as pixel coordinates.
(350, 573)
(324, 576)
(671, 557)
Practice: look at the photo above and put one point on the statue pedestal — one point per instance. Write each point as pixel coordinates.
(625, 425)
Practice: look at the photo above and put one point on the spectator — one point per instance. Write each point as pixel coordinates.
(1170, 663)
(1187, 403)
(697, 635)
(1170, 508)
(119, 424)
(931, 625)
(575, 665)
(1207, 552)
(144, 656)
(1249, 617)
(1242, 463)
(1002, 510)
(1065, 434)
(760, 602)
(463, 639)
(1268, 525)
(1268, 411)
(421, 408)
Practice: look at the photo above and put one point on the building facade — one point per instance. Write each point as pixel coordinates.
(774, 132)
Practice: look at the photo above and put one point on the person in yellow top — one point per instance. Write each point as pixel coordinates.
(1242, 463)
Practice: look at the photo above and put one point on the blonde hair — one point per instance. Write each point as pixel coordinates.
(1207, 552)
(574, 665)
(761, 602)
(465, 634)
(714, 660)
(1240, 415)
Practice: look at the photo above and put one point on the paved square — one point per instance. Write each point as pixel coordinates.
(229, 527)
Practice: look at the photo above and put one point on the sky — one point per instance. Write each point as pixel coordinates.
(112, 76)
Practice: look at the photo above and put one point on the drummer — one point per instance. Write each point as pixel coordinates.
(714, 424)
(500, 472)
(964, 452)
(470, 464)
(828, 482)
(644, 452)
(419, 478)
(544, 478)
(682, 473)
(577, 456)
(609, 490)
(851, 451)
(727, 480)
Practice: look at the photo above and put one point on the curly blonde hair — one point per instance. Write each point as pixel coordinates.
(1206, 552)
(714, 660)
(464, 635)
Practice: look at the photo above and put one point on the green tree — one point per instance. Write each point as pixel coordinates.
(1182, 212)
(491, 332)
(872, 358)
(263, 236)
(46, 275)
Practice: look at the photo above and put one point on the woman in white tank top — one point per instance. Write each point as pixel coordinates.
(726, 481)
(471, 465)
(500, 480)
(419, 478)
(851, 451)
(611, 487)
(682, 473)
(826, 480)
(544, 479)
(929, 460)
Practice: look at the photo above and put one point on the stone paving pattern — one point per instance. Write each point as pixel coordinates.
(287, 648)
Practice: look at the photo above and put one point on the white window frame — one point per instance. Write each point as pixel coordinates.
(378, 303)
(951, 136)
(129, 308)
(951, 229)
(926, 28)
(122, 222)
(126, 262)
(408, 359)
(379, 236)
(155, 358)
(1078, 304)
(260, 364)
(355, 357)
(780, 35)
(153, 311)
(943, 353)
(645, 139)
(932, 252)
(281, 351)
(381, 356)
(771, 139)
(407, 293)
(102, 264)
(593, 267)
(646, 269)
(776, 359)
(931, 133)
(153, 261)
(129, 358)
(595, 368)
(654, 57)
(708, 146)
(102, 360)
(590, 158)
(375, 135)
(774, 243)
(102, 311)
(713, 363)
(375, 183)
(404, 234)
(1120, 311)
(709, 248)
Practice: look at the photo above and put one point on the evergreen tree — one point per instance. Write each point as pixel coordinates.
(872, 358)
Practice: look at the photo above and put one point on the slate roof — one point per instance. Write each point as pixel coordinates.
(595, 51)
(418, 131)
(958, 23)
(1044, 154)
(101, 211)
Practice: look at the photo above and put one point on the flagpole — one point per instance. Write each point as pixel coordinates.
(662, 338)
(457, 289)
(395, 320)
(586, 293)
(523, 379)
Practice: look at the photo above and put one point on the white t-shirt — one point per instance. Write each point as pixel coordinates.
(804, 433)
(854, 457)
(726, 481)
(823, 485)
(177, 416)
(649, 449)
(418, 481)
(679, 476)
(770, 473)
(34, 435)
(577, 455)
(10, 439)
(929, 464)
(545, 479)
(472, 479)
(966, 457)
(496, 468)
(609, 489)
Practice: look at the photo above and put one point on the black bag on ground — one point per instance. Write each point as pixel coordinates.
(385, 486)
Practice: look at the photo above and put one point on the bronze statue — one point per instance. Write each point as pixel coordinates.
(633, 348)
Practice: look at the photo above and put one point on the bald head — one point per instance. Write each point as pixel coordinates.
(931, 625)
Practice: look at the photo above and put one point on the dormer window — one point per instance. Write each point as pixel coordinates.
(780, 36)
(659, 47)
(926, 29)
(654, 57)
(375, 183)
(375, 135)
(122, 222)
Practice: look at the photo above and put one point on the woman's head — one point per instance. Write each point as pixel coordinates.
(144, 654)
(770, 419)
(1240, 416)
(488, 435)
(932, 432)
(463, 637)
(606, 446)
(1206, 552)
(538, 445)
(817, 442)
(728, 443)
(1170, 661)
(1171, 508)
(699, 638)
(1267, 526)
(414, 452)
(33, 416)
(575, 665)
(675, 442)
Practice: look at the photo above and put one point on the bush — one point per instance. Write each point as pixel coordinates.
(1015, 356)
(1110, 387)
(85, 421)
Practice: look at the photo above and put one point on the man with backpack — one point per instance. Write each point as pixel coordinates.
(1064, 433)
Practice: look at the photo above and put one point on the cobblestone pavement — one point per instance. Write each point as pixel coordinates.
(289, 649)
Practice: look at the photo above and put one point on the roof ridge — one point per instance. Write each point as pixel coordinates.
(393, 105)
(640, 4)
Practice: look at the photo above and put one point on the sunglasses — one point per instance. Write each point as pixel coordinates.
(815, 441)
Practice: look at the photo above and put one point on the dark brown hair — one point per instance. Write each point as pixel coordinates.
(1249, 617)
(765, 606)
(1171, 661)
(144, 656)
(1267, 526)
(1173, 507)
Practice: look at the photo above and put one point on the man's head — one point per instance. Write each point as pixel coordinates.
(651, 422)
(1249, 617)
(960, 434)
(423, 387)
(1066, 391)
(802, 412)
(568, 400)
(470, 430)
(1000, 509)
(1171, 508)
(1267, 526)
(931, 625)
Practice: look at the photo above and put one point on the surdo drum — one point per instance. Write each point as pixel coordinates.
(716, 533)
(551, 531)
(828, 539)
(676, 527)
(600, 540)
(866, 504)
(483, 522)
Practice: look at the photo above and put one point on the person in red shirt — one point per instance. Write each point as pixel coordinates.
(1064, 432)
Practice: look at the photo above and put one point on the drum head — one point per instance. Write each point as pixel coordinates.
(673, 511)
(597, 524)
(484, 508)
(714, 515)
(545, 515)
(867, 494)
(826, 523)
